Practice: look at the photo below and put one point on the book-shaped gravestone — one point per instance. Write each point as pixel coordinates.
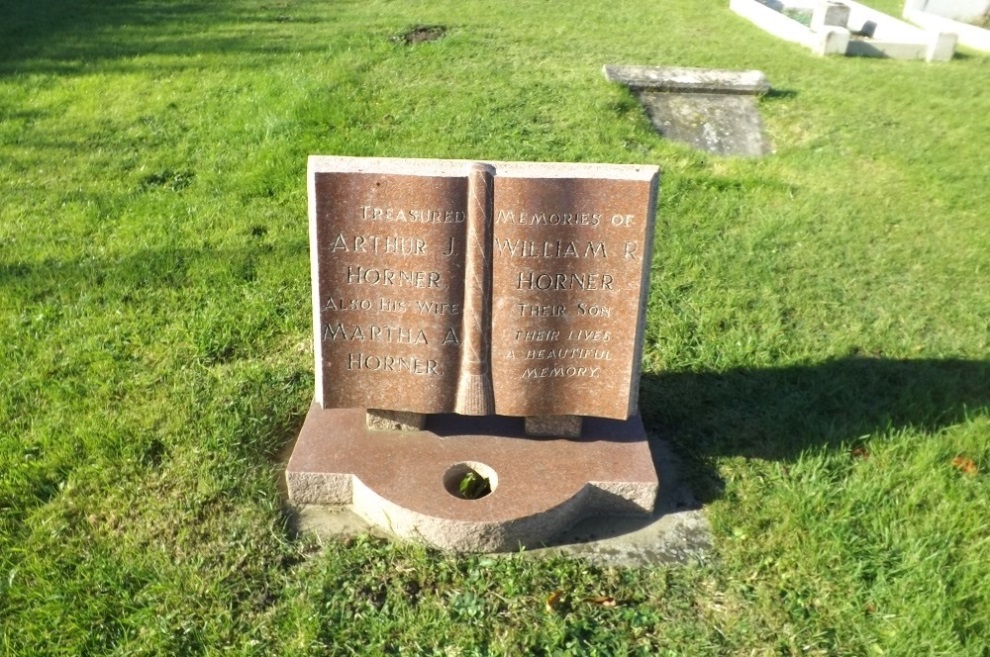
(476, 305)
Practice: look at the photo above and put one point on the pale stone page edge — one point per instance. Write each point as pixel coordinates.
(461, 168)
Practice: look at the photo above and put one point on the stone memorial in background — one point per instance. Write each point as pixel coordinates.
(711, 110)
(477, 323)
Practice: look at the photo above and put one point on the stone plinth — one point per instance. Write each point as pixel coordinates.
(396, 480)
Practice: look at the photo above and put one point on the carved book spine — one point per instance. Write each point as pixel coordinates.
(475, 394)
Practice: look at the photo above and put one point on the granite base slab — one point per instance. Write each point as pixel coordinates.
(540, 486)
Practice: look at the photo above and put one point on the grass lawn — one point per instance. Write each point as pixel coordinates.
(817, 350)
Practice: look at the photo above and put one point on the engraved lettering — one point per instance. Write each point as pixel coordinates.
(535, 310)
(523, 218)
(549, 249)
(595, 250)
(557, 372)
(392, 277)
(590, 336)
(594, 310)
(545, 335)
(375, 333)
(392, 305)
(413, 365)
(421, 216)
(579, 353)
(529, 280)
(400, 215)
(390, 244)
(358, 304)
(437, 308)
(451, 337)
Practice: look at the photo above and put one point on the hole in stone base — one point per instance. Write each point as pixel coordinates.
(470, 480)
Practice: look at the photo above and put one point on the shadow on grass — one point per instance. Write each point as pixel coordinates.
(59, 36)
(780, 94)
(777, 414)
(768, 413)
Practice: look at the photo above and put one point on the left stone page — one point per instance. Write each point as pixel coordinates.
(388, 254)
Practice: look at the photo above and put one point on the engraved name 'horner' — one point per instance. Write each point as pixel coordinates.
(392, 277)
(374, 363)
(530, 280)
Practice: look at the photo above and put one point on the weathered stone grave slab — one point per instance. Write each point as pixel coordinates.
(473, 304)
(712, 110)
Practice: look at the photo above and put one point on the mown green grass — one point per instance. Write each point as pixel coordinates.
(817, 350)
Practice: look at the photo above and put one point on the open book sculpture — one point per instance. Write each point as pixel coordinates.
(477, 305)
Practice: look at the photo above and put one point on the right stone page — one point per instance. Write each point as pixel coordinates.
(571, 263)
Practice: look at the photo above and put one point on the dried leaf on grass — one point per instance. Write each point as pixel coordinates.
(965, 465)
(553, 600)
(604, 601)
(860, 453)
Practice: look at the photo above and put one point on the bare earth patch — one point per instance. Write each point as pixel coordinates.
(420, 34)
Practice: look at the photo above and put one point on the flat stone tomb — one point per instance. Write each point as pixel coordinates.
(967, 19)
(480, 291)
(710, 109)
(846, 27)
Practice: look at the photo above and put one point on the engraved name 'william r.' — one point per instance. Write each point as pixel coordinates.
(550, 249)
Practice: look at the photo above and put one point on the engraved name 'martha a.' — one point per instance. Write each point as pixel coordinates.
(504, 288)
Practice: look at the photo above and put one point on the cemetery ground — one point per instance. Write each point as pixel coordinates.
(817, 343)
